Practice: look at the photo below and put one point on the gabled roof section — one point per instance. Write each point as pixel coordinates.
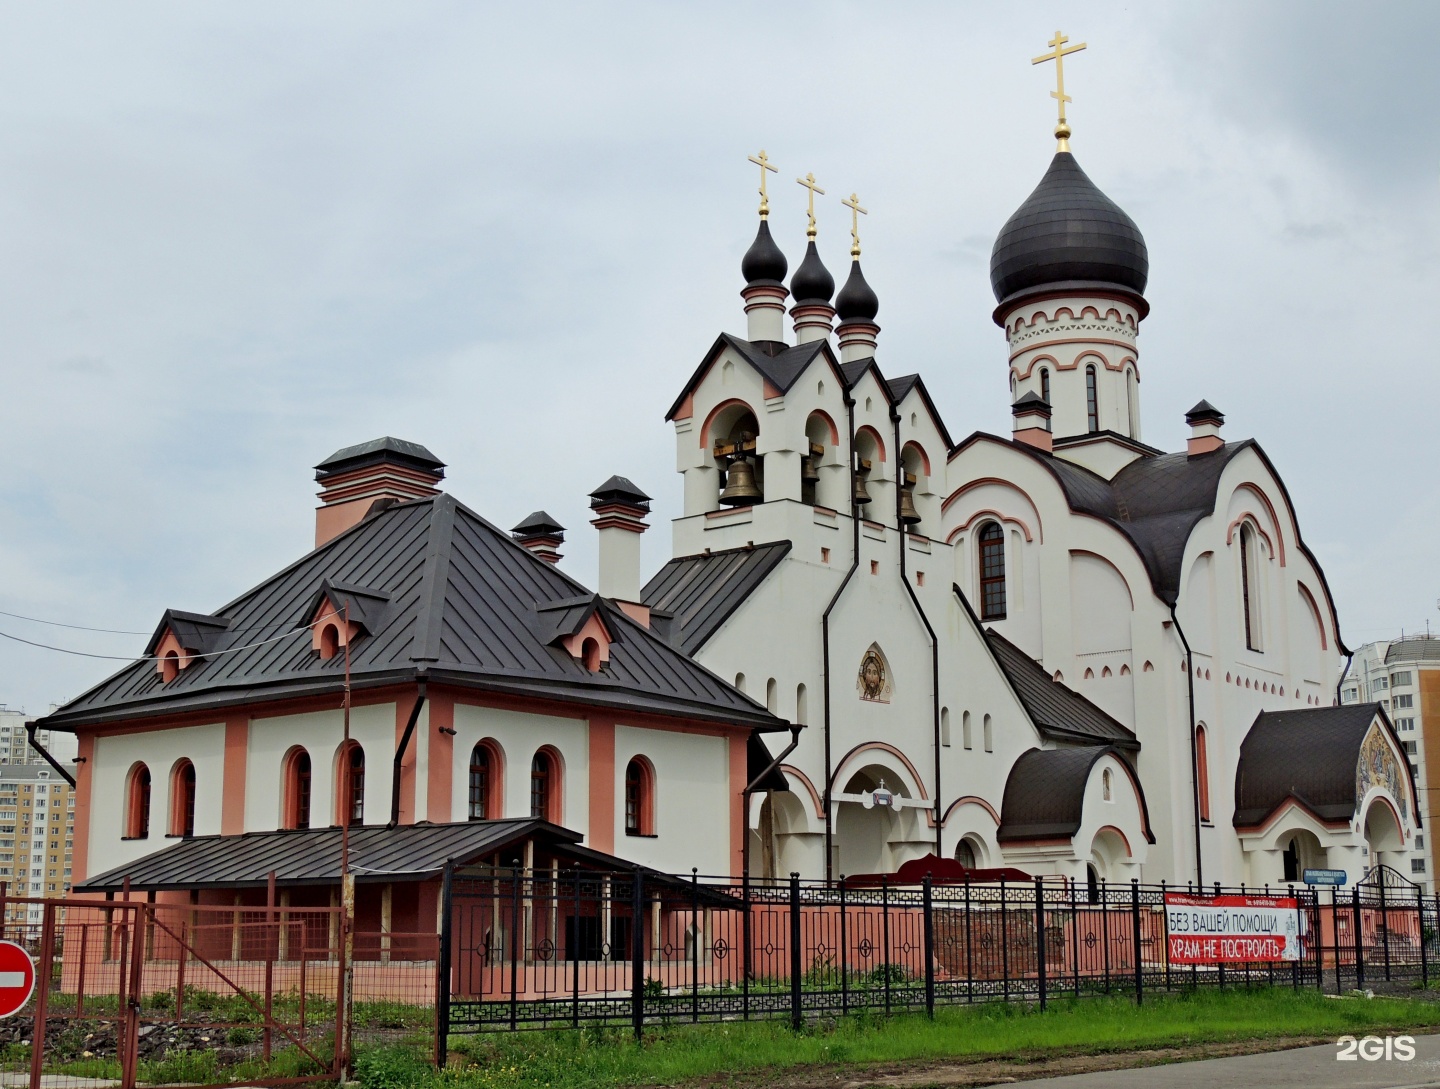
(464, 598)
(779, 364)
(1310, 754)
(1061, 713)
(900, 389)
(360, 605)
(196, 632)
(702, 592)
(559, 620)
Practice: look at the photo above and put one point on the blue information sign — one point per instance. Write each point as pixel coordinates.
(1324, 877)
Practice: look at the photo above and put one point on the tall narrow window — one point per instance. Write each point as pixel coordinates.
(182, 799)
(352, 785)
(1045, 390)
(1092, 400)
(480, 782)
(1249, 588)
(992, 572)
(137, 816)
(639, 798)
(945, 726)
(989, 735)
(297, 789)
(1202, 772)
(965, 738)
(1132, 404)
(543, 786)
(802, 705)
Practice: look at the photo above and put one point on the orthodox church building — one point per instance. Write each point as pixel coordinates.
(1060, 650)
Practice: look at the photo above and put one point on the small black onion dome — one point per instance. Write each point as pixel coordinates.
(763, 260)
(857, 300)
(1068, 230)
(812, 282)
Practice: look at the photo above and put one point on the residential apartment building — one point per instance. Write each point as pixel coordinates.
(15, 746)
(1403, 676)
(37, 836)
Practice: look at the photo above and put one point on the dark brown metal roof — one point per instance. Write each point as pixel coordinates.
(1309, 754)
(780, 364)
(1045, 793)
(1060, 713)
(406, 852)
(702, 592)
(467, 605)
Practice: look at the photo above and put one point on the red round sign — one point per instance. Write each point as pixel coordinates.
(17, 978)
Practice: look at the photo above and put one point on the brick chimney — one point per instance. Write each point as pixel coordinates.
(382, 471)
(1205, 421)
(620, 509)
(1032, 422)
(541, 535)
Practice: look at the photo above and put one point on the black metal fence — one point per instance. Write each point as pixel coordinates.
(566, 948)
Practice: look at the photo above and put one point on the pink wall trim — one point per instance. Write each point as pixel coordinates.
(1110, 564)
(441, 758)
(866, 429)
(796, 775)
(970, 799)
(232, 799)
(739, 763)
(993, 514)
(601, 830)
(705, 443)
(880, 746)
(1314, 609)
(80, 854)
(834, 431)
(1123, 837)
(1274, 518)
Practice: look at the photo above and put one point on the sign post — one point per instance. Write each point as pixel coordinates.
(17, 978)
(1231, 929)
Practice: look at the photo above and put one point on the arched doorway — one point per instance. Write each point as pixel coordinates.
(1383, 835)
(1300, 851)
(863, 831)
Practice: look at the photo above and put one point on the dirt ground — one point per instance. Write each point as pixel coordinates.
(950, 1074)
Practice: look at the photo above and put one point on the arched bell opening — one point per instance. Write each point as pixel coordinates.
(823, 479)
(915, 490)
(871, 493)
(736, 435)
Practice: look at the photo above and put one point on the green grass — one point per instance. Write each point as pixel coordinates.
(607, 1057)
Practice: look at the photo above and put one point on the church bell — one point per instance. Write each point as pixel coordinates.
(909, 516)
(740, 489)
(861, 495)
(809, 472)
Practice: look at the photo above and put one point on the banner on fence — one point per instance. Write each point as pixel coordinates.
(1231, 929)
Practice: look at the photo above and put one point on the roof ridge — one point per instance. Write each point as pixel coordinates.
(429, 619)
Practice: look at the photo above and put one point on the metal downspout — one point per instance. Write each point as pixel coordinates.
(1194, 753)
(400, 751)
(30, 729)
(750, 789)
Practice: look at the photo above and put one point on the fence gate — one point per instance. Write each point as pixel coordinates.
(129, 992)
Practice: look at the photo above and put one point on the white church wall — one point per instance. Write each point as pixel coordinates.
(158, 750)
(692, 791)
(1120, 855)
(519, 736)
(1101, 611)
(320, 733)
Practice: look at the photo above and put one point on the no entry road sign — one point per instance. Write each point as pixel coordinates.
(17, 978)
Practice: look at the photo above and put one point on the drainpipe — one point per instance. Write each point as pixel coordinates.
(750, 788)
(30, 729)
(400, 751)
(825, 636)
(1349, 661)
(934, 642)
(1194, 753)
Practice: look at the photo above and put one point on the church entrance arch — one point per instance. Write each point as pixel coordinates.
(1382, 834)
(871, 816)
(1108, 851)
(1300, 851)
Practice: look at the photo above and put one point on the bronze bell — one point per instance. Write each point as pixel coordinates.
(740, 489)
(909, 516)
(861, 495)
(809, 471)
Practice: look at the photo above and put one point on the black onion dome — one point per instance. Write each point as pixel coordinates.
(1067, 230)
(857, 300)
(763, 260)
(812, 282)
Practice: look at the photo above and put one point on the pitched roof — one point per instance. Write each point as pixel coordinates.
(778, 363)
(465, 607)
(1061, 713)
(1309, 754)
(1413, 650)
(702, 592)
(405, 852)
(376, 450)
(1045, 793)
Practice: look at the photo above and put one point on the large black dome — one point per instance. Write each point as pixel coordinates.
(1067, 230)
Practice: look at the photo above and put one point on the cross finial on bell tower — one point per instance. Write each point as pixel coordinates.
(808, 181)
(855, 213)
(1061, 51)
(763, 162)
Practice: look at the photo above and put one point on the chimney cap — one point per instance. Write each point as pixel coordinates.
(618, 489)
(1030, 402)
(1204, 412)
(538, 524)
(384, 449)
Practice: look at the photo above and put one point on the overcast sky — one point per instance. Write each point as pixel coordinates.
(234, 238)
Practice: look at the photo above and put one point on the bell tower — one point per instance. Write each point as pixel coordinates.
(1069, 271)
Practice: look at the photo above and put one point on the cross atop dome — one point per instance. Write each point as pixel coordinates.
(1057, 43)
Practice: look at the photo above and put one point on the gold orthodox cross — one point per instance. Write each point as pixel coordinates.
(808, 181)
(1062, 130)
(855, 213)
(763, 162)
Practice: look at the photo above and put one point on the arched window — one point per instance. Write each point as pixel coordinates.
(1107, 785)
(965, 738)
(772, 696)
(802, 705)
(1132, 404)
(590, 655)
(481, 772)
(989, 735)
(545, 786)
(1045, 390)
(1092, 883)
(945, 726)
(1250, 587)
(329, 641)
(992, 572)
(1202, 772)
(182, 799)
(351, 795)
(137, 808)
(1092, 400)
(639, 798)
(740, 681)
(170, 667)
(297, 789)
(965, 854)
(1291, 860)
